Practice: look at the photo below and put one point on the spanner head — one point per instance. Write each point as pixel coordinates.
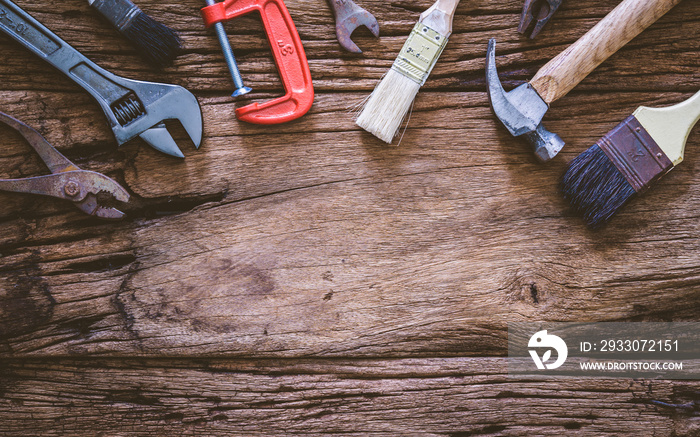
(520, 110)
(143, 111)
(346, 25)
(177, 104)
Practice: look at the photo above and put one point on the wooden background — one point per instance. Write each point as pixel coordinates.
(307, 278)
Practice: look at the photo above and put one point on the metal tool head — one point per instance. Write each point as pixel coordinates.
(539, 12)
(348, 17)
(144, 108)
(520, 110)
(86, 189)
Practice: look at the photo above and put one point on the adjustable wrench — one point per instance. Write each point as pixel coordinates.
(348, 17)
(133, 108)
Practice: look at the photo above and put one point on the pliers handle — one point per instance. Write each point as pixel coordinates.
(67, 181)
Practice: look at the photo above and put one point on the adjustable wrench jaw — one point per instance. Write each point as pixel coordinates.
(160, 102)
(521, 111)
(136, 108)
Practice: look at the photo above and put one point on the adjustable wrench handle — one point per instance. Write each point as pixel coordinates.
(26, 30)
(570, 67)
(288, 53)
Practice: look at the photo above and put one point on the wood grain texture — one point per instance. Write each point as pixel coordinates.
(432, 397)
(307, 278)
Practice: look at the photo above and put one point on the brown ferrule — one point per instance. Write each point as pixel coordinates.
(635, 154)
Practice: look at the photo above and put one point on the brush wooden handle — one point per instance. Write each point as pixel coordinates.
(627, 20)
(440, 16)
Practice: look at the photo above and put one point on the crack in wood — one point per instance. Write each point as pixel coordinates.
(26, 302)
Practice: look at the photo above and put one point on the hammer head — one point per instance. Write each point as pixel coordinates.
(521, 111)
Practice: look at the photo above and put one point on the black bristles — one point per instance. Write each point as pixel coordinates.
(159, 43)
(595, 187)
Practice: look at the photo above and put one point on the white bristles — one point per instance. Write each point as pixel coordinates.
(388, 105)
(390, 102)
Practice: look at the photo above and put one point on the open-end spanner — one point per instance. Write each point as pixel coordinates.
(133, 108)
(348, 17)
(67, 181)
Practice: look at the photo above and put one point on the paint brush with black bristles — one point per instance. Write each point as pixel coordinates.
(629, 160)
(157, 42)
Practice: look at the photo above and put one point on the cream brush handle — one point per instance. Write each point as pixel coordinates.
(671, 126)
(440, 16)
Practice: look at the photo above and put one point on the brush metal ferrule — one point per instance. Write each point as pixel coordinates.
(635, 154)
(420, 53)
(119, 12)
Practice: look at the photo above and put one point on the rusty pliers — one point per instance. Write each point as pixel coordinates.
(67, 181)
(539, 11)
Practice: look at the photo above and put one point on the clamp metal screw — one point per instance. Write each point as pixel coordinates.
(228, 56)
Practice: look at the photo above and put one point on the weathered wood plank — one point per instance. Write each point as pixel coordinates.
(426, 259)
(443, 227)
(270, 245)
(433, 397)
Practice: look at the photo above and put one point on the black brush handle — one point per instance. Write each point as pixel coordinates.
(119, 12)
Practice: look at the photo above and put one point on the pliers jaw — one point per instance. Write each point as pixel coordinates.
(90, 187)
(83, 188)
(91, 206)
(539, 12)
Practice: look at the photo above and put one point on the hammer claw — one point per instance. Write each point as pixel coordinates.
(520, 110)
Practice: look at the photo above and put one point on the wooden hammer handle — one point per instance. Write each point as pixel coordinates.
(621, 25)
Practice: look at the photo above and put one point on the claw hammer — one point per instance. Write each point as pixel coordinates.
(522, 109)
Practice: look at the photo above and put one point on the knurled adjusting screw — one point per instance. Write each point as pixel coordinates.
(72, 189)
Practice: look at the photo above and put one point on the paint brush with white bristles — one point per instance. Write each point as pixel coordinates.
(391, 100)
(156, 41)
(629, 160)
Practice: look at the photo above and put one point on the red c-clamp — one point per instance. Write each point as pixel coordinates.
(288, 53)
